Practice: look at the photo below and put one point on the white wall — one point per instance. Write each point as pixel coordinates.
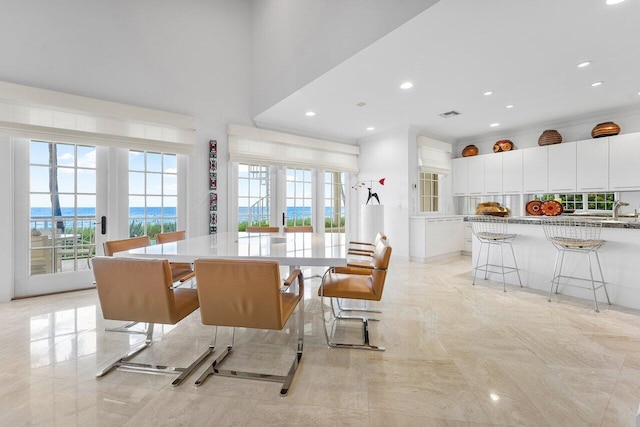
(296, 41)
(6, 219)
(191, 57)
(387, 156)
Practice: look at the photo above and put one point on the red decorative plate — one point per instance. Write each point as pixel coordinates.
(551, 208)
(534, 207)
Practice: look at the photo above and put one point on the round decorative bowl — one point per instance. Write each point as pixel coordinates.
(470, 150)
(502, 145)
(549, 137)
(605, 129)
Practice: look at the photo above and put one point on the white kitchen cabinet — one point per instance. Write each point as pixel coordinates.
(493, 173)
(624, 161)
(512, 172)
(561, 163)
(459, 176)
(592, 165)
(435, 237)
(534, 170)
(475, 175)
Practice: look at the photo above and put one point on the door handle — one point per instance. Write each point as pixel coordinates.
(103, 224)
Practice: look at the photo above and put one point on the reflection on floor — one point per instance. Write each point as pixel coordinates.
(456, 355)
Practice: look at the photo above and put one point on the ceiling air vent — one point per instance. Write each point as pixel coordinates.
(448, 114)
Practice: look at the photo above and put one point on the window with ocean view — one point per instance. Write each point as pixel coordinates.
(62, 205)
(334, 220)
(299, 200)
(153, 193)
(254, 204)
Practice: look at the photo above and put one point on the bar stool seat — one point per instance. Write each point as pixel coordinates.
(581, 236)
(492, 231)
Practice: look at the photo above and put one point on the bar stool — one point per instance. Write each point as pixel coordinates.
(492, 230)
(576, 235)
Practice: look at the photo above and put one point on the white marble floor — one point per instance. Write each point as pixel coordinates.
(456, 355)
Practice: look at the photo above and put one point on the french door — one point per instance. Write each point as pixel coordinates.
(280, 196)
(60, 200)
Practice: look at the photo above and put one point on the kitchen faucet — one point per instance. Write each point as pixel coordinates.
(616, 208)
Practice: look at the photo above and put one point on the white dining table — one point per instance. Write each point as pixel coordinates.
(291, 249)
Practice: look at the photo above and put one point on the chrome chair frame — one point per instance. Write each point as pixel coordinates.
(366, 345)
(579, 236)
(492, 231)
(124, 363)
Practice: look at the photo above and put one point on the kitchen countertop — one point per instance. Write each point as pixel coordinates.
(622, 222)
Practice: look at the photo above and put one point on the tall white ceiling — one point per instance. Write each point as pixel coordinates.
(526, 52)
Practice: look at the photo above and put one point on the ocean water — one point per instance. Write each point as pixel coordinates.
(292, 212)
(91, 212)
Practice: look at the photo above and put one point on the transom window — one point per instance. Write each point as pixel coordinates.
(429, 192)
(153, 193)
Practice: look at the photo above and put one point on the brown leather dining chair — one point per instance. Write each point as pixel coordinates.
(358, 284)
(180, 271)
(262, 229)
(114, 246)
(364, 251)
(299, 229)
(110, 248)
(140, 290)
(248, 294)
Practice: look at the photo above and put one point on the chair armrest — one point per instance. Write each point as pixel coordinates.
(295, 274)
(361, 243)
(360, 252)
(188, 277)
(362, 271)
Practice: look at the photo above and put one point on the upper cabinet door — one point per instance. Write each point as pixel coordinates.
(534, 170)
(562, 167)
(475, 175)
(593, 164)
(493, 173)
(512, 171)
(459, 176)
(624, 158)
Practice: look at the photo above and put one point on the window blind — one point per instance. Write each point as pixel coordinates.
(28, 112)
(434, 156)
(260, 146)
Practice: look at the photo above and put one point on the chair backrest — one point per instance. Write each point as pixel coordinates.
(113, 246)
(571, 228)
(136, 289)
(262, 229)
(243, 293)
(299, 229)
(488, 224)
(381, 258)
(172, 236)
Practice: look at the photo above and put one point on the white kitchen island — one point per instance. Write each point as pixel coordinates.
(620, 258)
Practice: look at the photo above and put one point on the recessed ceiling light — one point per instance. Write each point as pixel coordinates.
(371, 128)
(596, 84)
(487, 93)
(406, 85)
(612, 2)
(493, 125)
(310, 113)
(584, 64)
(361, 104)
(510, 106)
